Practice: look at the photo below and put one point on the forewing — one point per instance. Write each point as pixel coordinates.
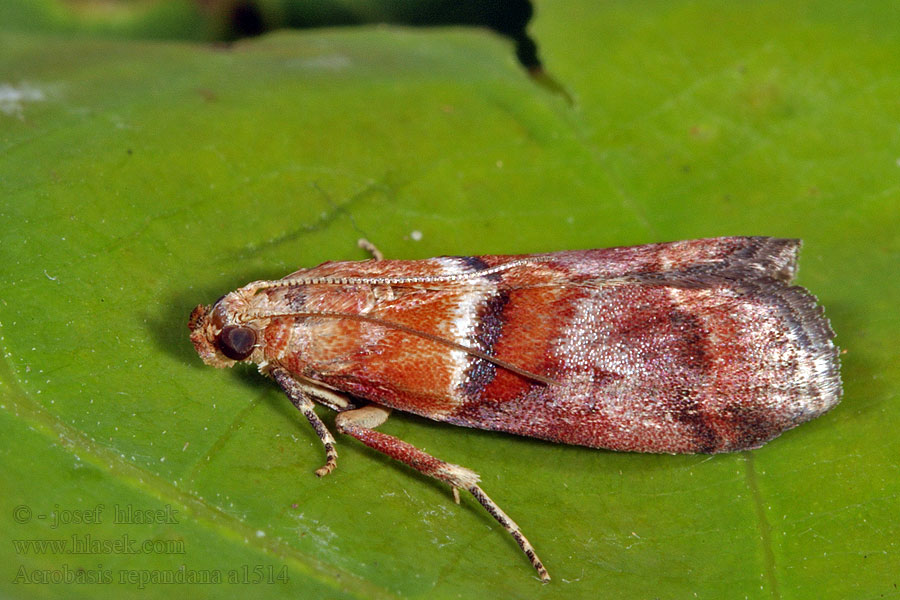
(681, 347)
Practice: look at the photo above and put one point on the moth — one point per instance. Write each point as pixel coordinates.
(699, 346)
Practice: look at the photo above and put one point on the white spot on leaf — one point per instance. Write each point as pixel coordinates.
(13, 98)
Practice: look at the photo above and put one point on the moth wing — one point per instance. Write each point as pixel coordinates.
(610, 326)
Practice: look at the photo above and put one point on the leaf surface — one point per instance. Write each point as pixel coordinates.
(141, 178)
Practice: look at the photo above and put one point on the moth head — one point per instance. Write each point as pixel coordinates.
(219, 341)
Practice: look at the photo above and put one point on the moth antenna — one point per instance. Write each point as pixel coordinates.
(423, 334)
(454, 278)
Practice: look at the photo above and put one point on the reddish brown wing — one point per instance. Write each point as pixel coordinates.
(697, 346)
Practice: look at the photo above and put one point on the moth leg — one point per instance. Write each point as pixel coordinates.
(370, 248)
(301, 400)
(360, 423)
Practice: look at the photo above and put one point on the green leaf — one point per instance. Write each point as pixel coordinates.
(142, 178)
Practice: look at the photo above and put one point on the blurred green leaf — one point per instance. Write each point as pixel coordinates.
(142, 178)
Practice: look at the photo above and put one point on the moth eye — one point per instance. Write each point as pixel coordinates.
(236, 342)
